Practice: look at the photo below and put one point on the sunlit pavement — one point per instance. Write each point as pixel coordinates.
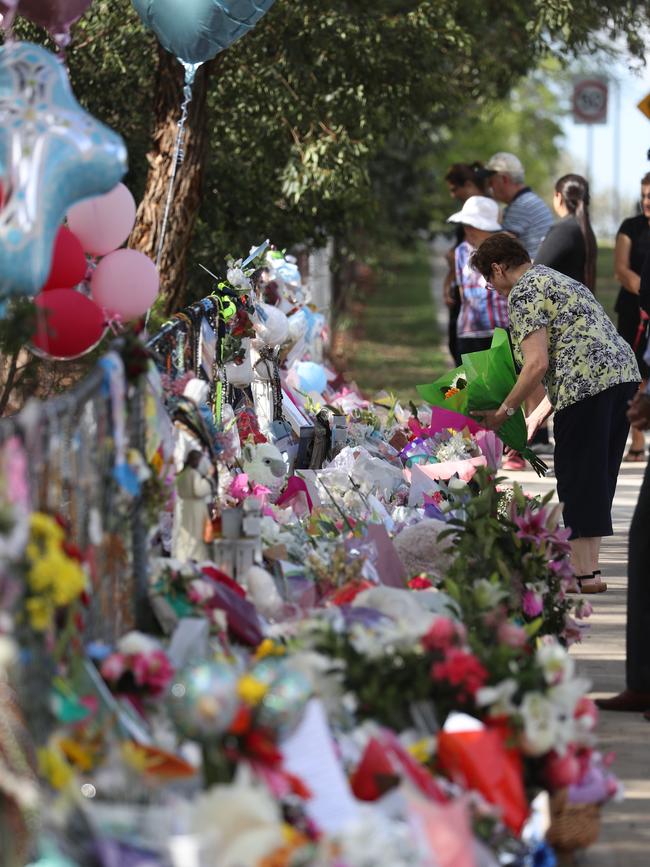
(625, 837)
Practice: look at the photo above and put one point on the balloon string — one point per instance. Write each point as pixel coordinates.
(179, 155)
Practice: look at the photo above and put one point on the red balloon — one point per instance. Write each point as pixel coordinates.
(68, 324)
(68, 262)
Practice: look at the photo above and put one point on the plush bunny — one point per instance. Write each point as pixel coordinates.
(264, 465)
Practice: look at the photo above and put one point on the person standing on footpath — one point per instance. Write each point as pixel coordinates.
(632, 247)
(570, 245)
(526, 216)
(481, 310)
(572, 361)
(635, 698)
(462, 182)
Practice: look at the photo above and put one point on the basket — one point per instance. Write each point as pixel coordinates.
(573, 826)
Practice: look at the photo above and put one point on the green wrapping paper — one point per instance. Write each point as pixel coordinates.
(490, 376)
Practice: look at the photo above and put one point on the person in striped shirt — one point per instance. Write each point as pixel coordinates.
(526, 216)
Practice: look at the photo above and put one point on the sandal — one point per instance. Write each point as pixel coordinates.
(591, 583)
(635, 456)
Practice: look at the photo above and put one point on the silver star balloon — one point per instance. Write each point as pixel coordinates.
(53, 154)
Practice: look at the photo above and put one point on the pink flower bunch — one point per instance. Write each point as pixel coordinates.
(149, 672)
(443, 634)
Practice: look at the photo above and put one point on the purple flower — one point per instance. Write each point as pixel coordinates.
(532, 603)
(532, 526)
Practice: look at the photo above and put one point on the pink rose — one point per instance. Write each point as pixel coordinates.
(561, 771)
(511, 635)
(113, 667)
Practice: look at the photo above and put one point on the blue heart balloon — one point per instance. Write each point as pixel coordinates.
(197, 30)
(52, 155)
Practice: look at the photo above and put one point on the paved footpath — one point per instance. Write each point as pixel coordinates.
(625, 835)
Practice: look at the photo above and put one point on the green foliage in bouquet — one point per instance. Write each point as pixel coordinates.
(510, 568)
(483, 381)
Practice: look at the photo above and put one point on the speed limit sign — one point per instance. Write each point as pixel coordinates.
(590, 100)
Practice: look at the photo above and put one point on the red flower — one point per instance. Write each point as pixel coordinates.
(242, 721)
(461, 669)
(259, 745)
(419, 582)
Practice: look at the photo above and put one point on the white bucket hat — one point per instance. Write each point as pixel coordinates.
(479, 212)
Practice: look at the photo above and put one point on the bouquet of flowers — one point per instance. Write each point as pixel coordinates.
(483, 381)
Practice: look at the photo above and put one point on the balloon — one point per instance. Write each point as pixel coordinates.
(70, 324)
(203, 699)
(68, 262)
(125, 284)
(197, 30)
(52, 154)
(311, 376)
(55, 15)
(103, 223)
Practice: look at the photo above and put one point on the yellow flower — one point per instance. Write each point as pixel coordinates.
(269, 648)
(42, 572)
(77, 753)
(41, 613)
(46, 528)
(53, 766)
(250, 690)
(69, 582)
(422, 750)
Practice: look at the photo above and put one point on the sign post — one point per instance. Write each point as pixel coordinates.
(590, 98)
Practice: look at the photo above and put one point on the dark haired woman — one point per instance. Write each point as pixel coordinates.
(632, 246)
(463, 181)
(574, 362)
(570, 245)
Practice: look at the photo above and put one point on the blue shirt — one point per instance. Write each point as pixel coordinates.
(529, 218)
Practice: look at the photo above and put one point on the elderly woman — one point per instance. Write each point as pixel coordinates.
(574, 362)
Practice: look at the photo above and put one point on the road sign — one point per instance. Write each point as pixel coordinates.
(590, 100)
(644, 105)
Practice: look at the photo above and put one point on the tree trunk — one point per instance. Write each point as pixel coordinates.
(145, 237)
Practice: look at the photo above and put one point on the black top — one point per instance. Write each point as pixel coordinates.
(563, 249)
(638, 231)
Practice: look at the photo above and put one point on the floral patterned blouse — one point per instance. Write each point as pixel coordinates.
(586, 355)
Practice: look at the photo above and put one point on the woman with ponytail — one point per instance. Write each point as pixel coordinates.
(570, 246)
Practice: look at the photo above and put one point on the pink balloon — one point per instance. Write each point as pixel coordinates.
(103, 223)
(125, 284)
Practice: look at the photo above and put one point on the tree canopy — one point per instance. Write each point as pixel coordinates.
(333, 116)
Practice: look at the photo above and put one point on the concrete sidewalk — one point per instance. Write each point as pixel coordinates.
(625, 836)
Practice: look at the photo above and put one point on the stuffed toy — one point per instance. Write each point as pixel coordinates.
(264, 465)
(420, 551)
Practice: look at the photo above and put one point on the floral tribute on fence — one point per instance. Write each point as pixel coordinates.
(354, 646)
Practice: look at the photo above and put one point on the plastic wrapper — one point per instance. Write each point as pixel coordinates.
(478, 759)
(489, 376)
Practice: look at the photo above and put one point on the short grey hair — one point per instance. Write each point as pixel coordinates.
(515, 177)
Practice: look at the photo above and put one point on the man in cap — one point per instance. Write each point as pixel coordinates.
(526, 215)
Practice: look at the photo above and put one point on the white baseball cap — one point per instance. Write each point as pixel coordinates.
(479, 212)
(504, 162)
